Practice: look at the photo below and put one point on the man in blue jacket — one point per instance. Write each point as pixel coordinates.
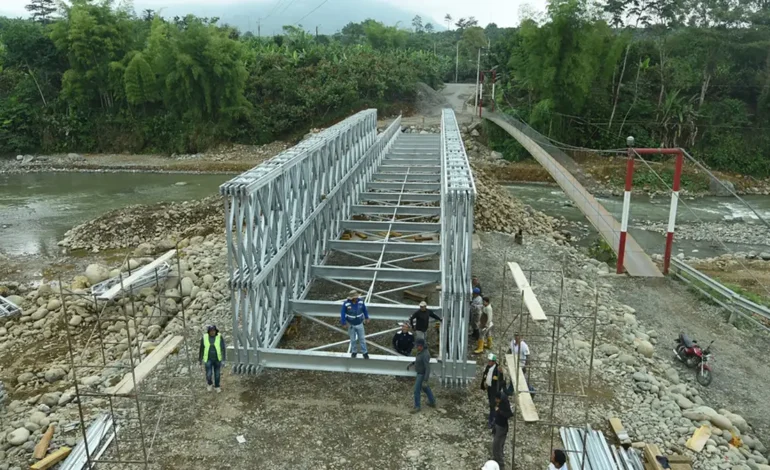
(353, 316)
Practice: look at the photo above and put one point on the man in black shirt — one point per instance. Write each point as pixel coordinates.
(503, 412)
(403, 341)
(419, 321)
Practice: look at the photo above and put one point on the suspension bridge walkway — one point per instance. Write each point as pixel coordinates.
(636, 261)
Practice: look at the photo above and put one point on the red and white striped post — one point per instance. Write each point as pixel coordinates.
(494, 81)
(481, 93)
(672, 211)
(674, 197)
(626, 210)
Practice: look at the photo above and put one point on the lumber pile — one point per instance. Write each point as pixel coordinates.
(166, 347)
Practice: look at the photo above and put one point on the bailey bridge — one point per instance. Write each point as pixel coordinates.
(388, 214)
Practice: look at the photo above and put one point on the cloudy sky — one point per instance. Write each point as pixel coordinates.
(502, 12)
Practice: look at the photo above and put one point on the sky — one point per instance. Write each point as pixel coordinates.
(504, 13)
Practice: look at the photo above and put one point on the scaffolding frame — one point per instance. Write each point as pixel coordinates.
(133, 447)
(550, 335)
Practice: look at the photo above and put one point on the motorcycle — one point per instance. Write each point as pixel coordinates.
(690, 352)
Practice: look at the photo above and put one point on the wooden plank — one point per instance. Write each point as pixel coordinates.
(676, 458)
(114, 290)
(699, 438)
(144, 368)
(650, 452)
(42, 447)
(531, 302)
(524, 399)
(52, 459)
(620, 431)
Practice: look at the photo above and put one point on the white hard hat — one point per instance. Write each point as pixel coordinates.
(491, 465)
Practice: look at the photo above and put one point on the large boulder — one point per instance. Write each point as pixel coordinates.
(25, 377)
(97, 273)
(53, 305)
(17, 437)
(187, 286)
(144, 249)
(55, 374)
(15, 299)
(609, 349)
(721, 188)
(645, 348)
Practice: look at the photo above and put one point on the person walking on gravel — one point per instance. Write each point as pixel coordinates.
(503, 413)
(213, 353)
(419, 321)
(353, 316)
(485, 327)
(422, 367)
(477, 305)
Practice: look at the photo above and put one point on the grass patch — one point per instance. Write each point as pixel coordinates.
(601, 251)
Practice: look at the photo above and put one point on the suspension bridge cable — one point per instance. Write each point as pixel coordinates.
(714, 235)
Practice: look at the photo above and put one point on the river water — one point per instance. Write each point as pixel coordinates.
(551, 200)
(36, 209)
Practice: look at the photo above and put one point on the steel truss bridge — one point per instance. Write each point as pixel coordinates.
(347, 209)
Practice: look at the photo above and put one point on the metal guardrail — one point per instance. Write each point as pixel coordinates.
(720, 294)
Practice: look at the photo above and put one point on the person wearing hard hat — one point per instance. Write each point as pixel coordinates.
(419, 321)
(490, 465)
(213, 353)
(493, 381)
(558, 460)
(353, 316)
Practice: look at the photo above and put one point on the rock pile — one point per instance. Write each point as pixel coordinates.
(743, 233)
(497, 211)
(158, 223)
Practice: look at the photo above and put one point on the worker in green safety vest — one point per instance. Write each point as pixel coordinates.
(212, 353)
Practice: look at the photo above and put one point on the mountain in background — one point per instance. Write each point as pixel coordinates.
(331, 17)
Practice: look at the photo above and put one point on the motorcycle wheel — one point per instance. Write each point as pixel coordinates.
(691, 362)
(704, 377)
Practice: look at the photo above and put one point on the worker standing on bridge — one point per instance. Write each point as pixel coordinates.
(403, 341)
(212, 352)
(353, 316)
(493, 381)
(419, 321)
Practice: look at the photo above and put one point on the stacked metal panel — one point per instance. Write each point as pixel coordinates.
(8, 308)
(458, 196)
(588, 449)
(98, 438)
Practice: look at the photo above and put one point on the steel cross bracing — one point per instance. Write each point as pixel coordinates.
(378, 211)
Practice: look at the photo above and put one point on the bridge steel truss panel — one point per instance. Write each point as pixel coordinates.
(285, 222)
(458, 195)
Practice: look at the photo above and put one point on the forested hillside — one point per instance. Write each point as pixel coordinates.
(694, 74)
(101, 79)
(684, 73)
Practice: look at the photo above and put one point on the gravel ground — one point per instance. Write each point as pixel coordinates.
(741, 370)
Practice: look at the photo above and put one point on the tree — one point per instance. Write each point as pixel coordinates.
(41, 10)
(448, 20)
(417, 24)
(464, 23)
(428, 28)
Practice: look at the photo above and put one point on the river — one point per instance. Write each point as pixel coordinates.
(551, 200)
(36, 209)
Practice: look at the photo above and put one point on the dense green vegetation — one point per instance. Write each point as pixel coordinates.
(96, 78)
(689, 73)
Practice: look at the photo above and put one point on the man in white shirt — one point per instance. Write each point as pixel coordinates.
(558, 460)
(518, 346)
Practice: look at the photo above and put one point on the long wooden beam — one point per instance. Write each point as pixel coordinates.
(166, 347)
(530, 301)
(524, 399)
